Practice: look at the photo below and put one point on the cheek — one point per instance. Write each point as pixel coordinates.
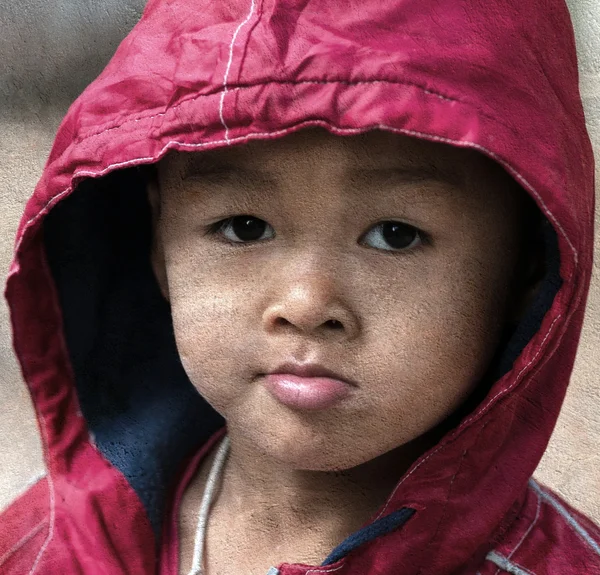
(207, 320)
(437, 347)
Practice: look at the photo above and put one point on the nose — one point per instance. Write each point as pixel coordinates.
(311, 304)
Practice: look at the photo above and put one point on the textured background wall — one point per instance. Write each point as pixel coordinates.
(49, 51)
(572, 462)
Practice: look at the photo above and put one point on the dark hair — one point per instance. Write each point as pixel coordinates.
(532, 236)
(148, 172)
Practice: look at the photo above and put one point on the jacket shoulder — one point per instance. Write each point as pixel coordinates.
(548, 537)
(24, 529)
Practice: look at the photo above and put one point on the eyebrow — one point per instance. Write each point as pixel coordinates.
(213, 170)
(408, 175)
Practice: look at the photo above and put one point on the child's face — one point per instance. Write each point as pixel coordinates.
(418, 318)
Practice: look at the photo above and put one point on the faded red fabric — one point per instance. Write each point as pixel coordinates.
(499, 76)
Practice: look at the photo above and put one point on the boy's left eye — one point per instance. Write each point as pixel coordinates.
(243, 229)
(396, 234)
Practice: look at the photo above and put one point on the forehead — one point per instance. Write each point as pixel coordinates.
(364, 171)
(379, 161)
(310, 147)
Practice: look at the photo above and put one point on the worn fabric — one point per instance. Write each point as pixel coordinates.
(122, 427)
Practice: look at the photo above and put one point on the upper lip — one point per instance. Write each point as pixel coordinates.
(309, 370)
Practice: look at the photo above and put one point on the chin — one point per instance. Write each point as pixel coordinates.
(301, 444)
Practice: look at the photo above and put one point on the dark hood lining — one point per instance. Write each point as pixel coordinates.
(145, 415)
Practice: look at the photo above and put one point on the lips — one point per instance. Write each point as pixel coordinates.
(310, 370)
(307, 386)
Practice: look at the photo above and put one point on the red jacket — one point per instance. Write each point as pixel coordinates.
(95, 340)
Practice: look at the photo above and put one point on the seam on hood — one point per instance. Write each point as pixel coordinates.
(564, 513)
(108, 126)
(52, 495)
(517, 378)
(21, 542)
(506, 565)
(527, 532)
(442, 514)
(231, 45)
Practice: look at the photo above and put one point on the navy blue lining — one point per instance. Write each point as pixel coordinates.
(515, 339)
(144, 412)
(532, 321)
(376, 529)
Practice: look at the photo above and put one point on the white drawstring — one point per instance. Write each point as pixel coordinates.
(213, 477)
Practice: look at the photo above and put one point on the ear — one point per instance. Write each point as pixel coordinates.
(157, 256)
(527, 295)
(532, 270)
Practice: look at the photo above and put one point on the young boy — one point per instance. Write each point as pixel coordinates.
(300, 292)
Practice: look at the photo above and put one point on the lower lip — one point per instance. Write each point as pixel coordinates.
(306, 392)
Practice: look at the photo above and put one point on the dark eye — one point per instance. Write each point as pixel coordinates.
(395, 234)
(244, 228)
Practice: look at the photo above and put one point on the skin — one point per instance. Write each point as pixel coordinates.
(416, 327)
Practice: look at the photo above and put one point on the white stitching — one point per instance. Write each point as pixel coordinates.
(506, 565)
(52, 501)
(438, 95)
(227, 70)
(537, 514)
(546, 210)
(326, 570)
(574, 524)
(22, 541)
(42, 212)
(516, 380)
(104, 129)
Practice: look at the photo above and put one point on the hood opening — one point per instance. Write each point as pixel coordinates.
(143, 413)
(516, 337)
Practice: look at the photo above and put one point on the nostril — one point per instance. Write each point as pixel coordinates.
(334, 323)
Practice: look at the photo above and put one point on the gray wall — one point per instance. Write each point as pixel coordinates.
(50, 51)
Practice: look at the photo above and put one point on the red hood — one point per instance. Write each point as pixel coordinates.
(94, 337)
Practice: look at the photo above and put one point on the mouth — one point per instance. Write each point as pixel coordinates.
(306, 370)
(307, 386)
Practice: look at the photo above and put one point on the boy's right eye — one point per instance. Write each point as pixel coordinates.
(246, 228)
